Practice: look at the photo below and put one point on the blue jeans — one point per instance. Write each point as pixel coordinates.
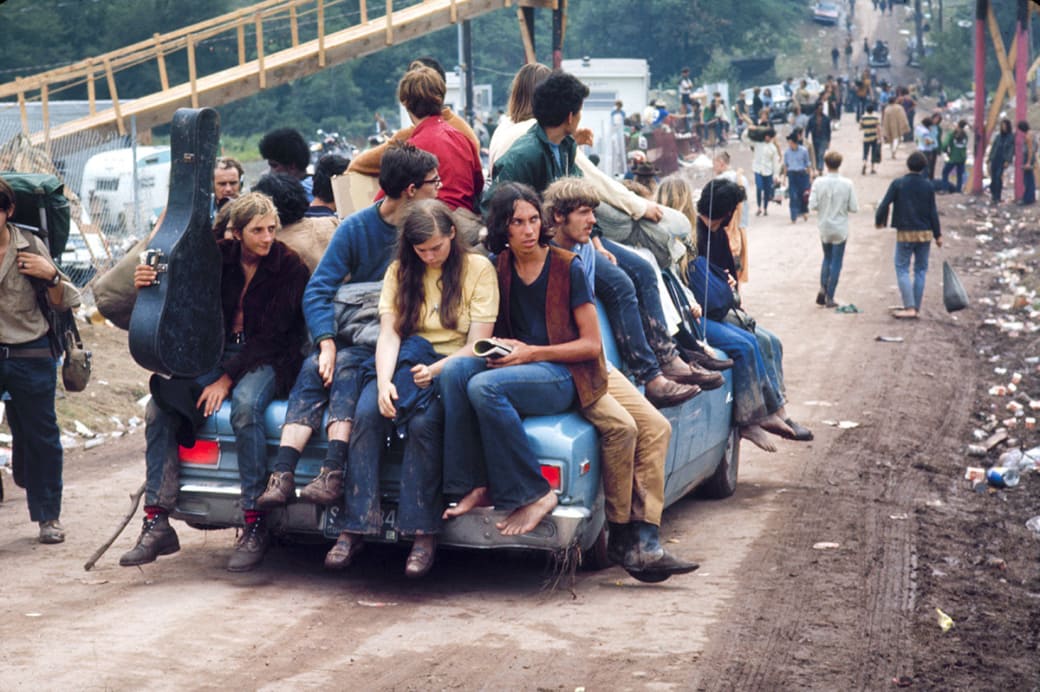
(644, 280)
(309, 397)
(996, 182)
(797, 184)
(958, 168)
(1029, 179)
(773, 356)
(753, 394)
(833, 254)
(250, 398)
(820, 148)
(31, 384)
(484, 441)
(419, 498)
(763, 190)
(911, 294)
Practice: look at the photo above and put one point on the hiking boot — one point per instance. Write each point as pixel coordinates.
(280, 487)
(325, 489)
(618, 542)
(250, 547)
(662, 392)
(682, 372)
(821, 298)
(705, 361)
(51, 532)
(157, 538)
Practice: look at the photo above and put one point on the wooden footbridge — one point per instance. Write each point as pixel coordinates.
(324, 46)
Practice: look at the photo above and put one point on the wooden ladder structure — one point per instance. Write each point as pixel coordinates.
(255, 69)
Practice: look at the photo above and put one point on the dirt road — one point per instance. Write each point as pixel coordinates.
(765, 611)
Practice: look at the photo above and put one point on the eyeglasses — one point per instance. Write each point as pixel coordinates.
(436, 182)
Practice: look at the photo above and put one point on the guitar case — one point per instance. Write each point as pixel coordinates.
(177, 326)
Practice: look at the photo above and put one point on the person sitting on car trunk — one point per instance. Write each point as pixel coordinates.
(360, 251)
(262, 283)
(438, 299)
(633, 434)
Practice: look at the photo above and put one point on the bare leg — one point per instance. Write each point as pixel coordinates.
(339, 430)
(478, 497)
(295, 435)
(525, 518)
(756, 435)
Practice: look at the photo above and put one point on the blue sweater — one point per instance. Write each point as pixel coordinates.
(360, 250)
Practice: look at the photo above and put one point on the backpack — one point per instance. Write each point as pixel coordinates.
(40, 203)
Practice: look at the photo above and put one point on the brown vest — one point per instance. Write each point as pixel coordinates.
(590, 376)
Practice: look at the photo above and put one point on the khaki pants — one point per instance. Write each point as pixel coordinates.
(633, 442)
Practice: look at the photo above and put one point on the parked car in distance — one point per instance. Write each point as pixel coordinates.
(826, 13)
(703, 453)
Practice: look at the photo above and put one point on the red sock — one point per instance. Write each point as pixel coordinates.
(152, 511)
(252, 515)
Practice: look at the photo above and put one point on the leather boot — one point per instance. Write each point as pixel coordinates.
(157, 538)
(280, 487)
(705, 361)
(687, 373)
(325, 489)
(618, 542)
(663, 392)
(250, 547)
(647, 560)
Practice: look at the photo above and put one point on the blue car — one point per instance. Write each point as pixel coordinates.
(703, 453)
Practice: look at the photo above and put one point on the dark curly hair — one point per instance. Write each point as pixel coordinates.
(329, 165)
(500, 212)
(288, 194)
(426, 220)
(559, 95)
(287, 147)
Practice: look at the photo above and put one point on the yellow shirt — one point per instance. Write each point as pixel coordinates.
(478, 303)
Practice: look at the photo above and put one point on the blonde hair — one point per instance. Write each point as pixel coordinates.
(521, 93)
(566, 195)
(676, 193)
(421, 91)
(246, 208)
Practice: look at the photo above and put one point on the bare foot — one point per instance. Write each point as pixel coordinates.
(776, 425)
(758, 437)
(478, 497)
(527, 517)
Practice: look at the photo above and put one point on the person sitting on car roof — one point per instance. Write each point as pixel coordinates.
(360, 251)
(438, 299)
(262, 283)
(286, 151)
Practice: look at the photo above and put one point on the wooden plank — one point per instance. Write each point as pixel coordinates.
(112, 94)
(1007, 74)
(260, 50)
(160, 58)
(293, 28)
(454, 13)
(45, 113)
(91, 95)
(240, 29)
(321, 33)
(22, 111)
(525, 37)
(193, 80)
(389, 22)
(364, 12)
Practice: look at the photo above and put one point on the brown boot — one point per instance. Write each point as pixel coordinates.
(325, 489)
(687, 373)
(662, 392)
(347, 546)
(280, 487)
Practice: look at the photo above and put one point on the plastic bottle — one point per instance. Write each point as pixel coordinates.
(1011, 459)
(1034, 525)
(1001, 477)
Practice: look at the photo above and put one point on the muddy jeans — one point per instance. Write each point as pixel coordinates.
(633, 441)
(754, 396)
(630, 295)
(419, 499)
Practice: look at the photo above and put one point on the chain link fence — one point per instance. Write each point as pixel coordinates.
(115, 189)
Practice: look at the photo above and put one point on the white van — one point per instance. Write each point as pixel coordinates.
(108, 187)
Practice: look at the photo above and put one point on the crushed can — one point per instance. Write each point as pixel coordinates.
(1002, 477)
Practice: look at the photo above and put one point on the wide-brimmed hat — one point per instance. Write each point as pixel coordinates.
(646, 169)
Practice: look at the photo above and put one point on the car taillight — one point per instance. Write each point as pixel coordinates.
(553, 475)
(206, 452)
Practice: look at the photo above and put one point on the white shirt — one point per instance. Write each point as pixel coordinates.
(834, 198)
(767, 158)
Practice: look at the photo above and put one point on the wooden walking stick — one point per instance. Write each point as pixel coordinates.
(135, 500)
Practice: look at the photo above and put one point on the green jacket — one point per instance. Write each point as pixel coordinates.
(530, 161)
(956, 152)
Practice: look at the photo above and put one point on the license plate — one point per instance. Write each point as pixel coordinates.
(333, 522)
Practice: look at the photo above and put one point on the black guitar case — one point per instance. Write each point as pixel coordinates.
(177, 327)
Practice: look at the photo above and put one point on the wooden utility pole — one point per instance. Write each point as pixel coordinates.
(1021, 91)
(981, 9)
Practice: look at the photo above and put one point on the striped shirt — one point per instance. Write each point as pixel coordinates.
(869, 123)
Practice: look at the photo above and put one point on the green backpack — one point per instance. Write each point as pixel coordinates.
(40, 202)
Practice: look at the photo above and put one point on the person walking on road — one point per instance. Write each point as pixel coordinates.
(797, 167)
(834, 198)
(1028, 164)
(955, 146)
(1001, 155)
(916, 220)
(765, 165)
(870, 124)
(894, 125)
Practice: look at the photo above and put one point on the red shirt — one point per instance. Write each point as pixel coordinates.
(458, 162)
